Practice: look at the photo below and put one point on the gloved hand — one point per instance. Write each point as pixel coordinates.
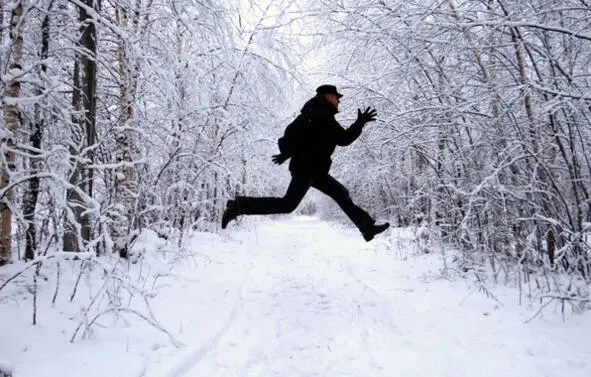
(369, 115)
(279, 158)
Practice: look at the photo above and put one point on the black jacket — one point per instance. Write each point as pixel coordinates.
(313, 136)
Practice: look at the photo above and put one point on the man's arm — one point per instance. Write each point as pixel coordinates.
(352, 133)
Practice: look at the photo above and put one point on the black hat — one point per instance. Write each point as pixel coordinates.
(328, 89)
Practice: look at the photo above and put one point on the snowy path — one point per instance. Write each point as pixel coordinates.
(308, 300)
(294, 298)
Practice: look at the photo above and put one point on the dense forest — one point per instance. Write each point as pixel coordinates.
(124, 116)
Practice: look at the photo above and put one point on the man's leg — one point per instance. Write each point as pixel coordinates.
(269, 205)
(245, 205)
(333, 188)
(364, 222)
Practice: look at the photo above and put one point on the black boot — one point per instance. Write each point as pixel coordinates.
(230, 213)
(370, 232)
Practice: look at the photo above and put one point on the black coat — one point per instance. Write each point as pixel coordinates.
(313, 136)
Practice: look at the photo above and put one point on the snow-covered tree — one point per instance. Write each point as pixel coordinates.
(484, 121)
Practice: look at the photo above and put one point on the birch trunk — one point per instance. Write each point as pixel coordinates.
(126, 183)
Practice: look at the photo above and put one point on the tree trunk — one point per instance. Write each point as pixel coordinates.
(126, 175)
(84, 100)
(31, 195)
(12, 121)
(1, 30)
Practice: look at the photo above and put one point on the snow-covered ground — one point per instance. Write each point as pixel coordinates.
(292, 298)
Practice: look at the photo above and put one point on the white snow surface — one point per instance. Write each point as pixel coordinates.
(295, 297)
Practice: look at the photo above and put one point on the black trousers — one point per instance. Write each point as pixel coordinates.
(298, 187)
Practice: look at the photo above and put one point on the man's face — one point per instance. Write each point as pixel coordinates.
(333, 99)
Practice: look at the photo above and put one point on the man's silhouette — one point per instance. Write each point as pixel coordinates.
(310, 141)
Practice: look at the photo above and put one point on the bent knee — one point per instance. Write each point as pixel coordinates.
(289, 206)
(343, 194)
(346, 194)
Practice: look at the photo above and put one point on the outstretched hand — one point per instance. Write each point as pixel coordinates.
(369, 115)
(279, 158)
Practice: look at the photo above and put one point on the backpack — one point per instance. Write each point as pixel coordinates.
(294, 135)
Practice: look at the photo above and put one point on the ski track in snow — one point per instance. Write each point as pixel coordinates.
(195, 357)
(319, 301)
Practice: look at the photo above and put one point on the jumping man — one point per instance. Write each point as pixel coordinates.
(310, 141)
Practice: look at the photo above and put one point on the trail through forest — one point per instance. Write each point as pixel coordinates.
(315, 300)
(298, 297)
